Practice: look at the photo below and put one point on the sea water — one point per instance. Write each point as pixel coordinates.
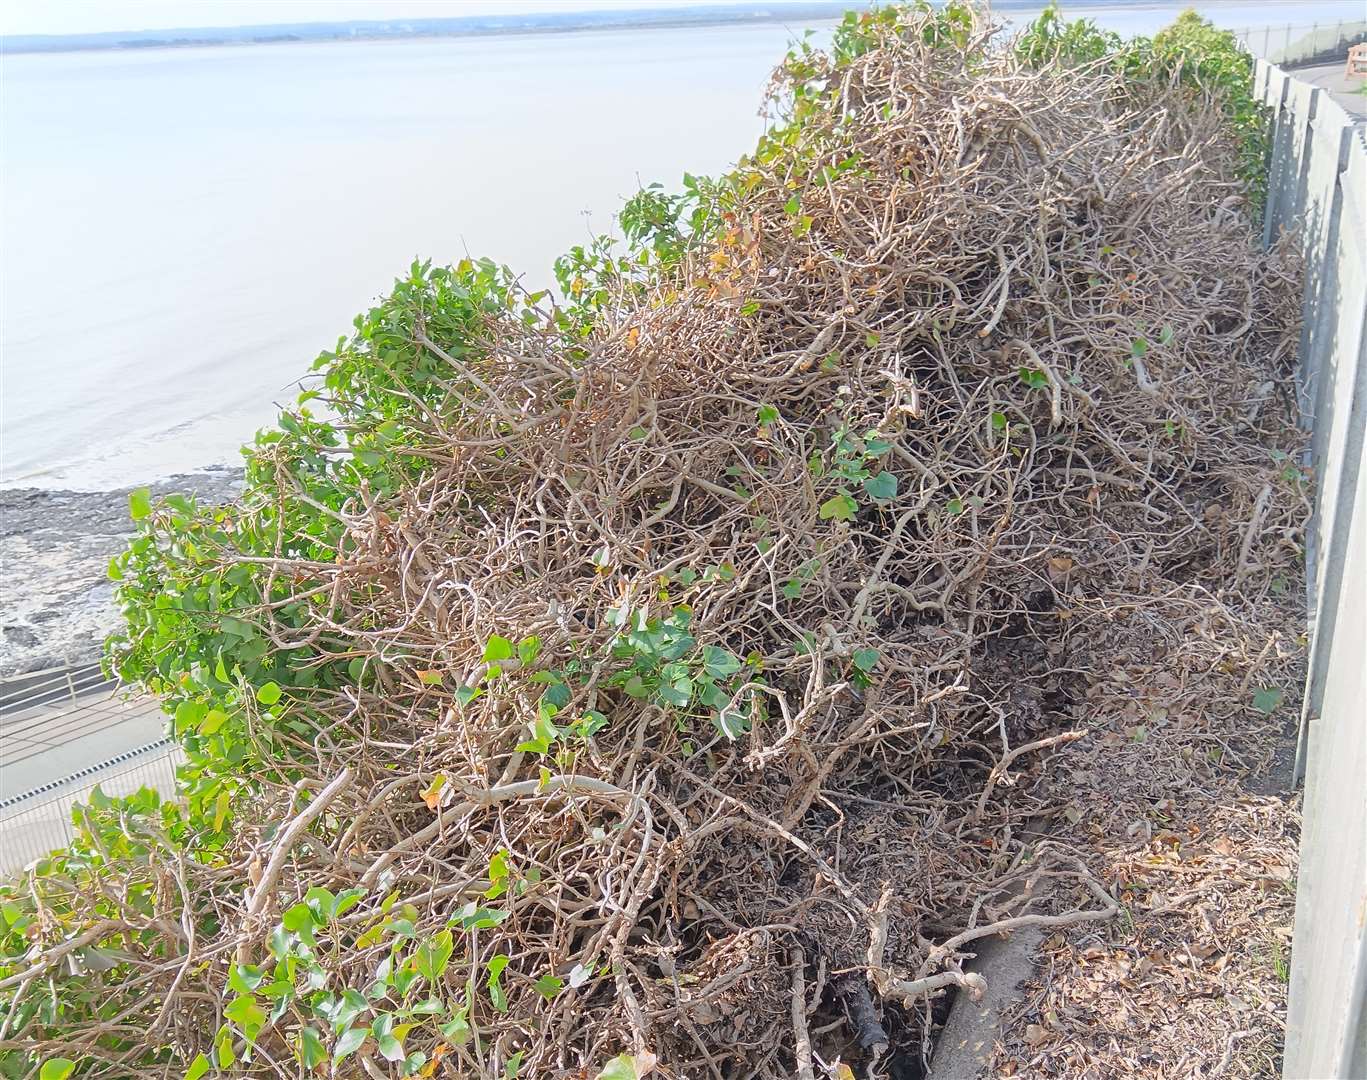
(185, 229)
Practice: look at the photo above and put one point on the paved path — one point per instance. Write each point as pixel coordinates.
(68, 724)
(62, 733)
(1333, 77)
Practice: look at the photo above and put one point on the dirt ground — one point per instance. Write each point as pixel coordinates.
(1188, 816)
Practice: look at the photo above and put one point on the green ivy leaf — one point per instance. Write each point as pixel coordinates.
(678, 696)
(322, 901)
(246, 1014)
(198, 1068)
(56, 1069)
(719, 663)
(544, 732)
(433, 955)
(349, 1042)
(390, 1047)
(1266, 699)
(548, 986)
(311, 1050)
(268, 694)
(223, 1047)
(212, 721)
(866, 659)
(496, 995)
(882, 487)
(498, 648)
(840, 507)
(528, 649)
(733, 723)
(622, 1067)
(499, 873)
(139, 507)
(457, 1029)
(474, 917)
(244, 978)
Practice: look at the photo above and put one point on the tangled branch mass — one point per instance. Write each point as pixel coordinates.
(665, 709)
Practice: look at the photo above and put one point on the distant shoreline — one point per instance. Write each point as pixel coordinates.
(467, 26)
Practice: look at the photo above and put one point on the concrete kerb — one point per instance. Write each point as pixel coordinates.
(964, 1048)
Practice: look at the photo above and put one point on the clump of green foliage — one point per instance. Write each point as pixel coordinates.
(190, 581)
(1192, 50)
(1211, 60)
(233, 612)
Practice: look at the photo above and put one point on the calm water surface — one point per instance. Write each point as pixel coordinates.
(184, 230)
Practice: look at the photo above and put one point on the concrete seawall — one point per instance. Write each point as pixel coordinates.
(1317, 189)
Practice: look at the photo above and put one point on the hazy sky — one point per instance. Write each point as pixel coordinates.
(88, 16)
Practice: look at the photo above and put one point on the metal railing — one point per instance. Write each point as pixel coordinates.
(32, 825)
(1302, 42)
(50, 709)
(51, 686)
(60, 708)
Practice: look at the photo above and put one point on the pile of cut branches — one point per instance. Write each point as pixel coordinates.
(636, 686)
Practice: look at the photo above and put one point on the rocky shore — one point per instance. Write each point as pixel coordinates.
(55, 547)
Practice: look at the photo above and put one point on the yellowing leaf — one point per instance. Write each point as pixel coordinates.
(841, 507)
(633, 336)
(430, 1068)
(431, 795)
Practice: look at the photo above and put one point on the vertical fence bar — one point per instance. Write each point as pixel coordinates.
(1317, 180)
(32, 828)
